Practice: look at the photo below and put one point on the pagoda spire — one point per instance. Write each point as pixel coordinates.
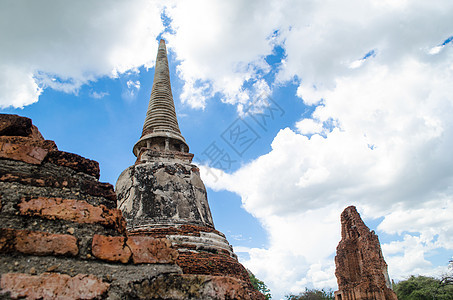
(161, 130)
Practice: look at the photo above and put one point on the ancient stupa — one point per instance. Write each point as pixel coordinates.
(162, 194)
(163, 188)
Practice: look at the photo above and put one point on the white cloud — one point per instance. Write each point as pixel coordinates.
(133, 84)
(309, 126)
(409, 257)
(98, 95)
(388, 150)
(61, 45)
(221, 45)
(17, 86)
(323, 38)
(435, 50)
(130, 90)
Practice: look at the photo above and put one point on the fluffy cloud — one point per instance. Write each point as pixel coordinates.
(309, 126)
(386, 134)
(221, 46)
(64, 45)
(388, 154)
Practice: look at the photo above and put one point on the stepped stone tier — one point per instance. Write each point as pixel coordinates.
(360, 267)
(62, 237)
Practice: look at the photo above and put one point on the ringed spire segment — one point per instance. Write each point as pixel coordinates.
(160, 129)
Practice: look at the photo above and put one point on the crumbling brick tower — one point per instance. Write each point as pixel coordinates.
(360, 267)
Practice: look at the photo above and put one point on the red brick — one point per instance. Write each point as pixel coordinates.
(111, 248)
(146, 249)
(72, 210)
(37, 243)
(52, 286)
(25, 153)
(42, 243)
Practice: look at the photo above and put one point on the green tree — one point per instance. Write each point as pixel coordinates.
(260, 286)
(313, 294)
(423, 288)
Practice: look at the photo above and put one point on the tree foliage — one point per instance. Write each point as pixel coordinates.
(260, 286)
(313, 294)
(423, 288)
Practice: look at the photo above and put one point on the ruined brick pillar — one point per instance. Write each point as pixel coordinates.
(360, 267)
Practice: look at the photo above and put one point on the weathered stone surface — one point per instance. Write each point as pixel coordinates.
(146, 249)
(111, 248)
(14, 125)
(52, 286)
(39, 143)
(50, 175)
(72, 210)
(37, 243)
(120, 276)
(74, 161)
(25, 153)
(360, 267)
(20, 140)
(191, 237)
(204, 263)
(25, 149)
(162, 193)
(194, 287)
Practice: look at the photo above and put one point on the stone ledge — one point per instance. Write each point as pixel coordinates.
(147, 155)
(49, 175)
(166, 230)
(14, 125)
(209, 242)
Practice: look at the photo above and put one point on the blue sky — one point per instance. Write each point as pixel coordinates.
(362, 99)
